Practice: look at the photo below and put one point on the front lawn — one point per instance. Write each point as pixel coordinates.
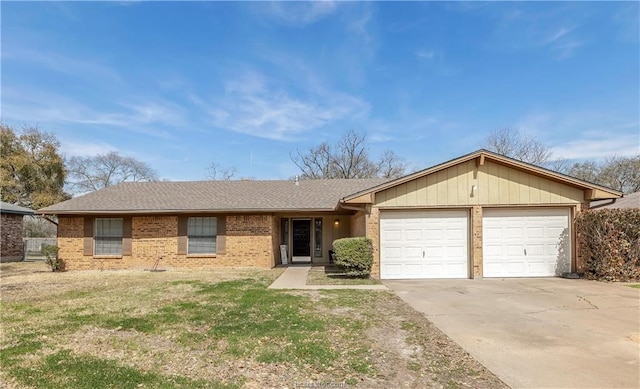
(214, 329)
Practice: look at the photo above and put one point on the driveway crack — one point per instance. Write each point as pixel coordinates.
(587, 301)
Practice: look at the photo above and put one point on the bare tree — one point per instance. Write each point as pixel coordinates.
(586, 170)
(514, 144)
(349, 158)
(38, 227)
(92, 173)
(391, 165)
(619, 173)
(216, 171)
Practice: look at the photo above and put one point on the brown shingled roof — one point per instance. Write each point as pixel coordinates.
(631, 200)
(245, 195)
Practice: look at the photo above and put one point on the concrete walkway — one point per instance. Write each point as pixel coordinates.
(295, 277)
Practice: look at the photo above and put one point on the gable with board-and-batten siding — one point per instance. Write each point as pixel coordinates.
(496, 184)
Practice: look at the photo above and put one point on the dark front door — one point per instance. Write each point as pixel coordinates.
(301, 230)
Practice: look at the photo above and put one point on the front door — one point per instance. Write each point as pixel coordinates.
(301, 231)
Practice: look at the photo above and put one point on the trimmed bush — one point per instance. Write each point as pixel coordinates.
(51, 254)
(609, 244)
(354, 256)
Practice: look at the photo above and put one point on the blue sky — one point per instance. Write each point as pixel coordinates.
(182, 85)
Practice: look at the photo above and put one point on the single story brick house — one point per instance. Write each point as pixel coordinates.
(479, 215)
(11, 225)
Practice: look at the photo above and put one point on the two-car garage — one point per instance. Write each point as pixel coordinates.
(480, 215)
(516, 242)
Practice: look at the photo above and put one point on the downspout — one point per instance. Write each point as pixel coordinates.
(45, 217)
(613, 201)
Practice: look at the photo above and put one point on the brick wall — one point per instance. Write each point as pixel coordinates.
(476, 243)
(11, 246)
(373, 232)
(249, 243)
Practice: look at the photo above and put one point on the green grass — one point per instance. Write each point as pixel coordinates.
(333, 276)
(65, 370)
(637, 286)
(208, 329)
(268, 326)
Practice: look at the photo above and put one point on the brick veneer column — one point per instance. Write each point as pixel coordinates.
(373, 232)
(476, 244)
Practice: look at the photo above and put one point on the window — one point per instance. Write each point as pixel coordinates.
(318, 235)
(108, 236)
(202, 233)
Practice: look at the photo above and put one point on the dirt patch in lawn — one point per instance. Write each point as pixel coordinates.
(216, 328)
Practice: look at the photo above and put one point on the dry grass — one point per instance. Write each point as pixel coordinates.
(222, 328)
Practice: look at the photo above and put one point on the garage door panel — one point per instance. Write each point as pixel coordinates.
(413, 268)
(535, 232)
(394, 235)
(542, 247)
(513, 232)
(538, 249)
(413, 253)
(413, 235)
(434, 244)
(513, 250)
(392, 269)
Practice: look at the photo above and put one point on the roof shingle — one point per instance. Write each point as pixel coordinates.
(15, 209)
(212, 196)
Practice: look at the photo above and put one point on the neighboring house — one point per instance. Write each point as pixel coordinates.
(482, 214)
(631, 200)
(11, 224)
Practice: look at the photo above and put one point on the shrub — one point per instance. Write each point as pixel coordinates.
(609, 244)
(354, 256)
(51, 254)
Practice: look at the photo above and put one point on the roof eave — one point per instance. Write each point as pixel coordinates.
(181, 211)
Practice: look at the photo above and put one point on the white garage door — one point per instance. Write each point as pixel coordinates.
(526, 242)
(424, 244)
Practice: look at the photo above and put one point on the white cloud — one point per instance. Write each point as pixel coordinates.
(297, 14)
(426, 55)
(252, 106)
(360, 26)
(599, 147)
(76, 148)
(139, 116)
(558, 34)
(583, 135)
(75, 67)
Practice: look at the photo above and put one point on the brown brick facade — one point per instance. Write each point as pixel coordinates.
(476, 241)
(373, 232)
(249, 243)
(11, 246)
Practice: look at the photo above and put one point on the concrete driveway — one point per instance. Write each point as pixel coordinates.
(538, 333)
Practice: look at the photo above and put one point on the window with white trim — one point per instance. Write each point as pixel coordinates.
(202, 233)
(108, 236)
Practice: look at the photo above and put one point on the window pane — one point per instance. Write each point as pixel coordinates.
(108, 246)
(202, 226)
(111, 227)
(202, 233)
(318, 235)
(108, 236)
(202, 245)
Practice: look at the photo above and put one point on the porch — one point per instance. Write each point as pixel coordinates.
(308, 238)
